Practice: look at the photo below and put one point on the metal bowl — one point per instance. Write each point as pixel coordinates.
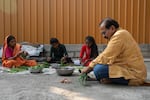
(39, 70)
(55, 65)
(66, 71)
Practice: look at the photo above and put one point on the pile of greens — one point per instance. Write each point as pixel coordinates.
(41, 65)
(23, 56)
(45, 65)
(18, 69)
(62, 64)
(24, 68)
(37, 67)
(83, 78)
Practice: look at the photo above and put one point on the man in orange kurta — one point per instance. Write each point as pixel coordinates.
(12, 54)
(121, 61)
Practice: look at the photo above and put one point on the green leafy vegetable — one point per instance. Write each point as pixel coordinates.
(18, 69)
(62, 64)
(82, 78)
(37, 67)
(23, 55)
(43, 65)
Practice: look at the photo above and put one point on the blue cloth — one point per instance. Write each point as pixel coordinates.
(102, 71)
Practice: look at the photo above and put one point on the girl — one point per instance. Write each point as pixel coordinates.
(88, 51)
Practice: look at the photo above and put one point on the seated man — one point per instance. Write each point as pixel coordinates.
(121, 62)
(58, 52)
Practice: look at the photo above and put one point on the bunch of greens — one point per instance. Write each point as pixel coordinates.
(83, 78)
(62, 64)
(45, 65)
(18, 69)
(23, 55)
(41, 66)
(37, 67)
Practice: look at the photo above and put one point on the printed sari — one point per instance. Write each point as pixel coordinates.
(19, 61)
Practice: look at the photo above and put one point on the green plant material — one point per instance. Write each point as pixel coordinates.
(62, 64)
(39, 66)
(23, 55)
(79, 67)
(18, 69)
(45, 65)
(24, 67)
(42, 65)
(82, 79)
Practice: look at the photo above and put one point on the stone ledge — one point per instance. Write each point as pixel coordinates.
(74, 49)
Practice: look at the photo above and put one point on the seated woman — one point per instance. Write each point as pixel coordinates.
(13, 56)
(58, 52)
(89, 51)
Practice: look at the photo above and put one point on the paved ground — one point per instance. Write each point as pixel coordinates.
(48, 87)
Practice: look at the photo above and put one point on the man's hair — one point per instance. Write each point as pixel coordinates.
(54, 40)
(108, 22)
(9, 38)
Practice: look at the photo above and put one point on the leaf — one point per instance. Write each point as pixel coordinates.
(18, 69)
(82, 79)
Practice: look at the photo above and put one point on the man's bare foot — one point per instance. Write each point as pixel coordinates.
(90, 79)
(105, 81)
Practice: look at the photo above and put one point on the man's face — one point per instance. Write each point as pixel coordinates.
(107, 33)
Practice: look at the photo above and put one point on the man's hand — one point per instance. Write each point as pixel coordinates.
(86, 69)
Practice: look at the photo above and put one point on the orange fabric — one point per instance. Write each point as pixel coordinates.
(19, 61)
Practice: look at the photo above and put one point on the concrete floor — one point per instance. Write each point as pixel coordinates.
(48, 87)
